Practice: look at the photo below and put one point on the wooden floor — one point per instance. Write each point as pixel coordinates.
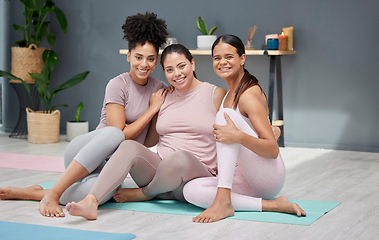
(351, 178)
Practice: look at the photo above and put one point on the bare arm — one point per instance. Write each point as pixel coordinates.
(253, 105)
(116, 115)
(218, 95)
(152, 136)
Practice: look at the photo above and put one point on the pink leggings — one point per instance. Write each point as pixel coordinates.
(161, 178)
(250, 176)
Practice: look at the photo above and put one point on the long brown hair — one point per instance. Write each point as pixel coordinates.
(247, 80)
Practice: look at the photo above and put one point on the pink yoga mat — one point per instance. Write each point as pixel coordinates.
(31, 162)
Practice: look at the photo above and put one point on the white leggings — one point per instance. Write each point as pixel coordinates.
(250, 176)
(91, 150)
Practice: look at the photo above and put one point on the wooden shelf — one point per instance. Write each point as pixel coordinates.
(248, 52)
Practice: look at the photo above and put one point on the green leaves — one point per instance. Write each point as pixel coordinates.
(34, 4)
(36, 28)
(72, 82)
(11, 76)
(212, 30)
(42, 81)
(61, 19)
(201, 25)
(79, 108)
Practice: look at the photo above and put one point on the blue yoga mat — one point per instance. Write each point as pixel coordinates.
(17, 231)
(314, 210)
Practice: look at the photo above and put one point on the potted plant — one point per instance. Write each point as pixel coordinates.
(77, 127)
(38, 130)
(205, 40)
(27, 57)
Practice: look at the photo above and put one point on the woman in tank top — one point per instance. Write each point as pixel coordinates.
(250, 168)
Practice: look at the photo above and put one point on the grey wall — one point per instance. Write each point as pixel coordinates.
(330, 85)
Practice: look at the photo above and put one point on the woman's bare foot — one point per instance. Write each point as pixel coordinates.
(34, 192)
(86, 208)
(130, 195)
(221, 208)
(49, 205)
(216, 212)
(281, 204)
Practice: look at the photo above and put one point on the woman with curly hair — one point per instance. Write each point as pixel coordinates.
(131, 101)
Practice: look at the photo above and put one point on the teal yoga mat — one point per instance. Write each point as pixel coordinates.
(17, 231)
(314, 210)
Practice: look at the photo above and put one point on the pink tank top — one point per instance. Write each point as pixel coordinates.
(185, 122)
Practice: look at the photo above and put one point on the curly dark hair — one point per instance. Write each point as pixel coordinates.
(142, 28)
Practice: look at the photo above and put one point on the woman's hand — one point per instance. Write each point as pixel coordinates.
(228, 133)
(170, 88)
(157, 99)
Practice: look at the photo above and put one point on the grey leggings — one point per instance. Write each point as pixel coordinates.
(161, 178)
(91, 150)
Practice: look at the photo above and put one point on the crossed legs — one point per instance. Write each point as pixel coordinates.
(83, 155)
(130, 157)
(163, 179)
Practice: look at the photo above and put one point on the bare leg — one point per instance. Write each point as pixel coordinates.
(86, 208)
(221, 208)
(49, 205)
(34, 192)
(282, 205)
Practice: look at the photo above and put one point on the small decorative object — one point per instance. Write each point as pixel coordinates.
(272, 44)
(170, 41)
(77, 127)
(289, 32)
(283, 41)
(206, 40)
(250, 37)
(268, 36)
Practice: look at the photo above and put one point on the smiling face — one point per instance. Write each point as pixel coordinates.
(179, 72)
(227, 64)
(143, 59)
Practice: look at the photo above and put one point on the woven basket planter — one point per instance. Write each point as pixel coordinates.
(25, 61)
(43, 127)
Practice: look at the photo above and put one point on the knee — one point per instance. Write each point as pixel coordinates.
(114, 133)
(220, 116)
(72, 149)
(191, 190)
(177, 161)
(130, 146)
